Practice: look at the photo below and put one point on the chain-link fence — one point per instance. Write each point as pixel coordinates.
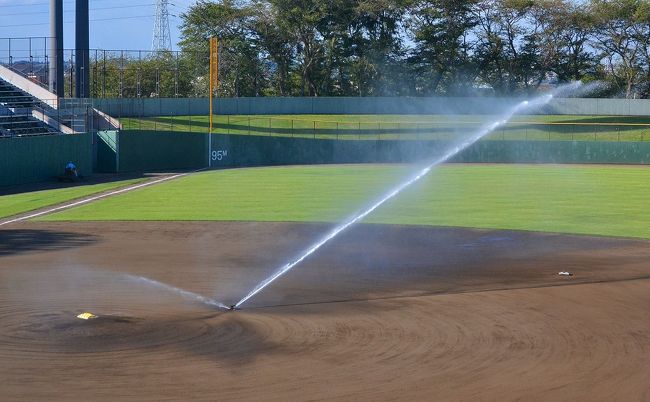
(113, 73)
(143, 74)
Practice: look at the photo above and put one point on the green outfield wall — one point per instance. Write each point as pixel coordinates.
(129, 151)
(35, 159)
(148, 151)
(557, 152)
(233, 151)
(107, 152)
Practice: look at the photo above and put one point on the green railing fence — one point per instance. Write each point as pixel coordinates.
(531, 128)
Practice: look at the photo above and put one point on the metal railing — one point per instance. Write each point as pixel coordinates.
(39, 118)
(27, 56)
(348, 127)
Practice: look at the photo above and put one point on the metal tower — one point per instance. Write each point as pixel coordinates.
(162, 39)
(57, 83)
(82, 52)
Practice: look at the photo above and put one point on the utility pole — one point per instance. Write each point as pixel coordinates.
(162, 39)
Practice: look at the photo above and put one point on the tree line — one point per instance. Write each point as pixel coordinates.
(419, 47)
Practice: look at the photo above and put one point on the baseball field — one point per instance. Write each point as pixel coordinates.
(450, 291)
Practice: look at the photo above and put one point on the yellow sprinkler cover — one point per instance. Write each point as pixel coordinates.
(86, 316)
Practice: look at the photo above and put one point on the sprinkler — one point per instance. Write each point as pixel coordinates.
(232, 307)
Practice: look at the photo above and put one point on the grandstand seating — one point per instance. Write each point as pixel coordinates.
(17, 113)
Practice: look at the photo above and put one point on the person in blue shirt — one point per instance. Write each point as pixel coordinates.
(71, 169)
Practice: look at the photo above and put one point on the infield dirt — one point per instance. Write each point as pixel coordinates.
(381, 313)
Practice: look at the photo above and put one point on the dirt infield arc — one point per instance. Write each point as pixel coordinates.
(384, 313)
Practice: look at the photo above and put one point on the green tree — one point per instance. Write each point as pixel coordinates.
(241, 68)
(441, 56)
(507, 50)
(299, 21)
(616, 36)
(277, 46)
(564, 31)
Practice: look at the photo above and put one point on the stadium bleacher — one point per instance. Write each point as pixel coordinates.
(17, 113)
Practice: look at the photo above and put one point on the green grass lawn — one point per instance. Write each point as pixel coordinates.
(20, 203)
(596, 200)
(534, 127)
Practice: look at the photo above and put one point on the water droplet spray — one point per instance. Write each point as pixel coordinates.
(480, 133)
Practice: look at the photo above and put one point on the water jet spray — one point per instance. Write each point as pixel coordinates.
(482, 132)
(181, 292)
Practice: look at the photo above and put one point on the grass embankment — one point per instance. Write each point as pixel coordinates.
(352, 127)
(595, 200)
(25, 202)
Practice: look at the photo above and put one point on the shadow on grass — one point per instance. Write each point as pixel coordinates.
(566, 129)
(55, 184)
(21, 241)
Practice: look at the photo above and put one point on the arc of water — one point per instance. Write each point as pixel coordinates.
(482, 132)
(181, 292)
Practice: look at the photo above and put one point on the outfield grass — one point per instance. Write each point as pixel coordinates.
(595, 200)
(351, 127)
(20, 203)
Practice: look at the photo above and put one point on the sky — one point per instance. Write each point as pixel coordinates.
(114, 24)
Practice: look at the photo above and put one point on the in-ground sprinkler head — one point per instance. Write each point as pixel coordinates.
(233, 307)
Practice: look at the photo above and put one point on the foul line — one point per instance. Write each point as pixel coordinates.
(95, 198)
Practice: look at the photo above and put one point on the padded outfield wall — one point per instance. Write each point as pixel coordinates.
(151, 151)
(167, 151)
(36, 159)
(159, 151)
(150, 107)
(235, 151)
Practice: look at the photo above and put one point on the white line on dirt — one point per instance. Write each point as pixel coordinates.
(95, 198)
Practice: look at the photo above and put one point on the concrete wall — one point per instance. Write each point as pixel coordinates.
(145, 107)
(260, 106)
(34, 159)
